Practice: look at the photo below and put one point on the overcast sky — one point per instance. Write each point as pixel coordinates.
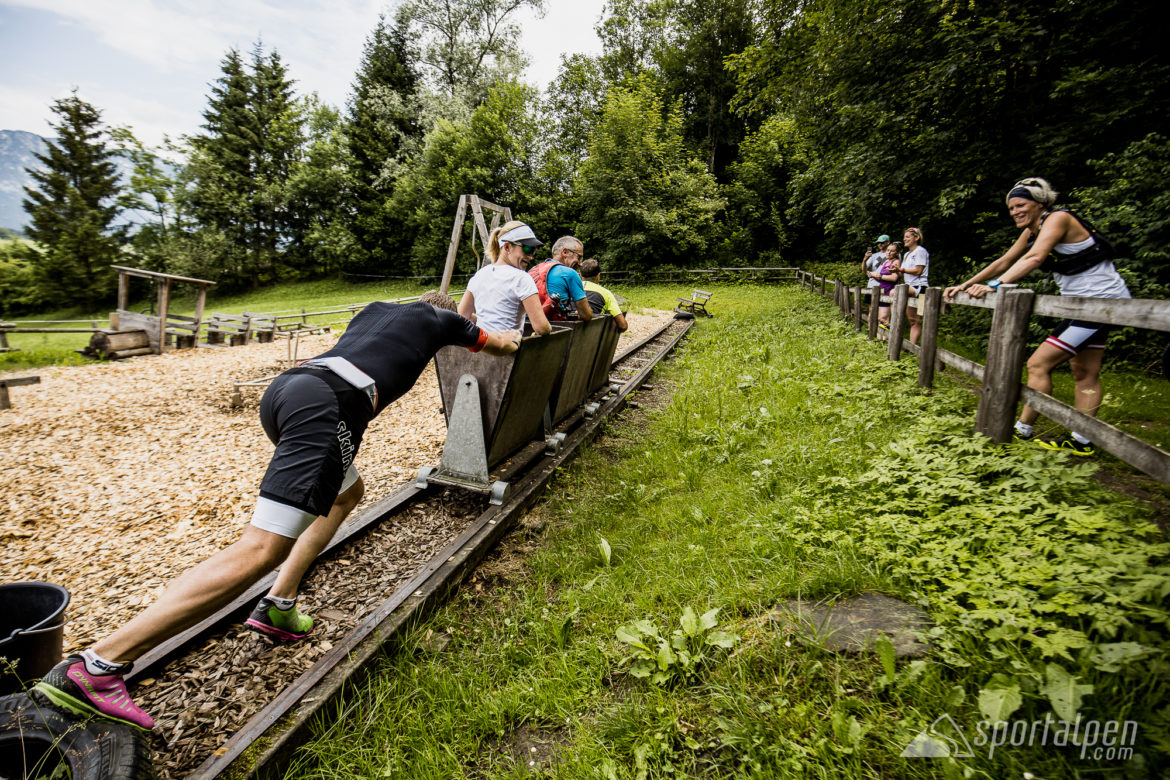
(148, 63)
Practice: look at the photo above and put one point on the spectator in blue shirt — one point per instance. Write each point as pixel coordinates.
(562, 293)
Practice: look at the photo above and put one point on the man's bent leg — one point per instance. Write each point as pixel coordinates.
(276, 615)
(313, 541)
(194, 595)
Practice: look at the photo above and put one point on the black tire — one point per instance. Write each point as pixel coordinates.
(35, 740)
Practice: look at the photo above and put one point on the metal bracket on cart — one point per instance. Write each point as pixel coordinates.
(464, 462)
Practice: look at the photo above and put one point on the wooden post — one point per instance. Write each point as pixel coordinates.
(477, 214)
(456, 232)
(857, 309)
(932, 305)
(1005, 358)
(897, 321)
(824, 285)
(164, 303)
(200, 302)
(875, 301)
(123, 291)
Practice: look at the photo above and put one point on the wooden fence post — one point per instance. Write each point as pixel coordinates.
(857, 308)
(824, 283)
(875, 300)
(897, 321)
(932, 305)
(1005, 357)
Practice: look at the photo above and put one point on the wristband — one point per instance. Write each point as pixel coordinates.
(994, 283)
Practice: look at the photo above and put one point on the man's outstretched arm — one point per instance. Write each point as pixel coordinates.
(504, 343)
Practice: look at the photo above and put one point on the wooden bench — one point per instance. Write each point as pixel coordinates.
(236, 330)
(301, 329)
(14, 381)
(263, 326)
(696, 304)
(4, 328)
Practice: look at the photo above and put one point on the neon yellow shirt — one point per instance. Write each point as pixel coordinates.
(609, 302)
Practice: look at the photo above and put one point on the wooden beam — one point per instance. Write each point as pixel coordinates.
(968, 367)
(453, 247)
(121, 269)
(1149, 314)
(1131, 449)
(484, 234)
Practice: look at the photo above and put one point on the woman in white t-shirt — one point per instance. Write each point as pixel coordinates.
(1081, 266)
(502, 292)
(915, 269)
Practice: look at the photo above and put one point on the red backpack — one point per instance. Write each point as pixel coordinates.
(554, 309)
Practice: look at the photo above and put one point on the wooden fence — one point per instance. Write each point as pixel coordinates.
(1001, 390)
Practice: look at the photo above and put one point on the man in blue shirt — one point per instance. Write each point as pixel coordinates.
(560, 287)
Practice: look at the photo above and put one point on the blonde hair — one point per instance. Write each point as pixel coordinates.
(493, 247)
(1038, 189)
(915, 231)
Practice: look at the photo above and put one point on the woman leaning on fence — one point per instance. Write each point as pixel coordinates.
(1082, 265)
(886, 276)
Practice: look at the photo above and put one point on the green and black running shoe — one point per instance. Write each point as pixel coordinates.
(286, 625)
(1069, 444)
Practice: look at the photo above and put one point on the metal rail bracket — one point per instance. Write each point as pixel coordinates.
(464, 462)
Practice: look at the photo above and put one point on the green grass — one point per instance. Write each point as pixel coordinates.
(791, 461)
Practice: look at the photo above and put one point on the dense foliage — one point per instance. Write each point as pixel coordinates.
(706, 132)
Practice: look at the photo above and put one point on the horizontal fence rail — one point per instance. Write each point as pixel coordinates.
(999, 378)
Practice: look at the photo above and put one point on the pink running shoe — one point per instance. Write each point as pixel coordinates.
(69, 686)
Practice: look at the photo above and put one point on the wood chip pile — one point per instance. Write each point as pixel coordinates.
(116, 477)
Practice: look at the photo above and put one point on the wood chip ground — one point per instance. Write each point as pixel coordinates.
(116, 477)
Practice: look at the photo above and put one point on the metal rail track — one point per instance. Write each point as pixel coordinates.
(265, 744)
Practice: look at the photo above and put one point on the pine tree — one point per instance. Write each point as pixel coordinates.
(240, 164)
(281, 136)
(382, 122)
(220, 166)
(73, 206)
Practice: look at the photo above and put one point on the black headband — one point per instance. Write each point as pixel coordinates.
(1022, 192)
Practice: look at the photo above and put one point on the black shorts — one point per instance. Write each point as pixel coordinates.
(1075, 336)
(316, 420)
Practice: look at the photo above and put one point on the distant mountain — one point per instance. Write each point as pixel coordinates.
(17, 152)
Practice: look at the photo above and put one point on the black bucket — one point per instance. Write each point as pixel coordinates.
(32, 629)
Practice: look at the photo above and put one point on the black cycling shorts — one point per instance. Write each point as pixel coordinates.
(1075, 336)
(316, 420)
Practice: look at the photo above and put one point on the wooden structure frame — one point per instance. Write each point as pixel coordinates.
(478, 226)
(162, 324)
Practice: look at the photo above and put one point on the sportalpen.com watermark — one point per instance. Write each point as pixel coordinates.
(1098, 740)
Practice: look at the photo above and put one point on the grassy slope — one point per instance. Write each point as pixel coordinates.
(791, 461)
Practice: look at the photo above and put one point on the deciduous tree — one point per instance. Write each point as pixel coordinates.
(645, 199)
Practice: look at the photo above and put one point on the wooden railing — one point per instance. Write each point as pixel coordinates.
(1001, 389)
